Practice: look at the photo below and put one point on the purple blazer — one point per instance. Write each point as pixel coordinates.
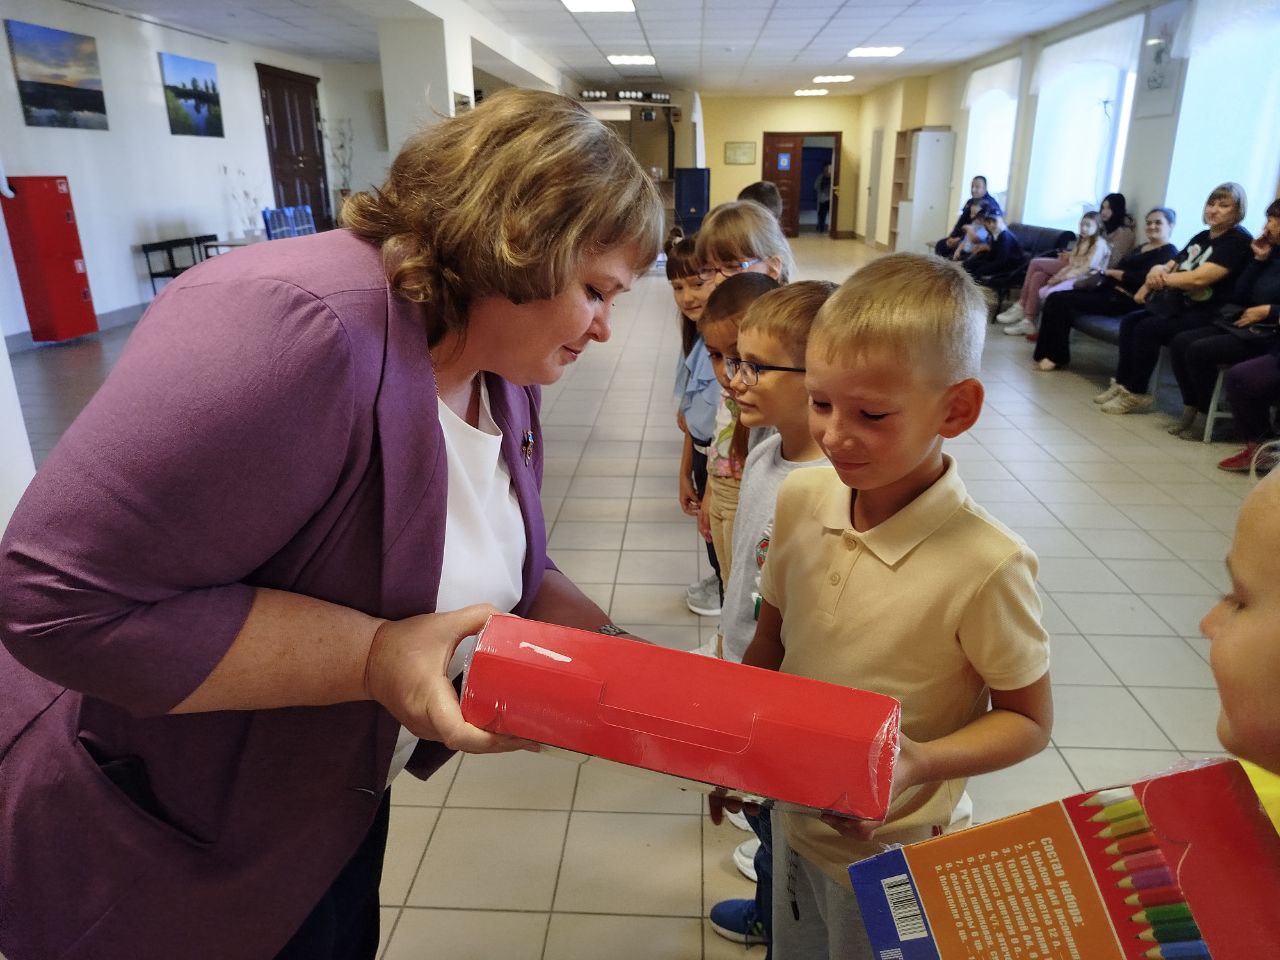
(272, 422)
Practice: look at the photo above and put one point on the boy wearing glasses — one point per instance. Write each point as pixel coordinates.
(766, 381)
(884, 575)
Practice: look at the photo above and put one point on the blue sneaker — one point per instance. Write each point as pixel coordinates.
(736, 920)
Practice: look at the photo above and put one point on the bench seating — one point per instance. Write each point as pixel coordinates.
(1035, 242)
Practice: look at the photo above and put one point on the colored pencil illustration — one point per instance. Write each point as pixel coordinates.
(1104, 797)
(1163, 913)
(1156, 896)
(1171, 932)
(1144, 879)
(1122, 828)
(1135, 843)
(1140, 861)
(1118, 811)
(1188, 950)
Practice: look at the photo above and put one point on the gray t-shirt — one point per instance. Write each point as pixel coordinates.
(752, 527)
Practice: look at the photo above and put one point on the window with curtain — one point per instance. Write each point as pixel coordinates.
(1227, 125)
(991, 98)
(1085, 89)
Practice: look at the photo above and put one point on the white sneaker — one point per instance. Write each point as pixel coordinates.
(1126, 402)
(1110, 393)
(744, 858)
(702, 586)
(707, 602)
(1019, 329)
(739, 820)
(1011, 315)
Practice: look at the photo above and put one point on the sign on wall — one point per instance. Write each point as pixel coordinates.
(59, 80)
(740, 152)
(191, 96)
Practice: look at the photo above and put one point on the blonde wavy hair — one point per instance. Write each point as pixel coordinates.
(744, 230)
(923, 310)
(506, 200)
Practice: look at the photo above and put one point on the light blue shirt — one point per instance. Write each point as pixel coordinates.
(701, 393)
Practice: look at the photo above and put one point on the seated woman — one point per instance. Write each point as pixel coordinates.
(1244, 330)
(1117, 227)
(1000, 254)
(1179, 295)
(1252, 389)
(1109, 293)
(977, 191)
(1047, 275)
(974, 235)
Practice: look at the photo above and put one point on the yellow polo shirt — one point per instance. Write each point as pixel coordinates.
(1267, 784)
(933, 607)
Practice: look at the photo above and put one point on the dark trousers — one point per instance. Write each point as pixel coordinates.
(763, 828)
(823, 208)
(1142, 334)
(1252, 387)
(1197, 354)
(344, 924)
(700, 485)
(1060, 310)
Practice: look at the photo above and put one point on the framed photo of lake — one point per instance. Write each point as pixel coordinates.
(740, 151)
(191, 96)
(59, 80)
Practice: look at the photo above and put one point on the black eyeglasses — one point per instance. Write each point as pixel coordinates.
(751, 371)
(727, 269)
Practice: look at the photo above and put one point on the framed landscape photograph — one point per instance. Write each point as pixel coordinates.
(191, 96)
(59, 80)
(740, 151)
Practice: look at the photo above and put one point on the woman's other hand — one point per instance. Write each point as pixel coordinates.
(406, 673)
(1254, 315)
(689, 499)
(1261, 246)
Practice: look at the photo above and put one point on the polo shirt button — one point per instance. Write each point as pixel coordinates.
(835, 578)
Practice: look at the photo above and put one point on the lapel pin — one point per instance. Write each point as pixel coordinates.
(526, 447)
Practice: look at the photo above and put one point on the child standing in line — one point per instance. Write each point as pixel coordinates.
(1244, 635)
(767, 381)
(698, 395)
(736, 238)
(1048, 275)
(728, 451)
(884, 574)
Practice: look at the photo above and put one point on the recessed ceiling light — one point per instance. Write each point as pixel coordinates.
(875, 51)
(835, 78)
(811, 93)
(599, 6)
(632, 60)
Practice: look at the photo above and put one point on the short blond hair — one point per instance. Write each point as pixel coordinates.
(787, 313)
(744, 230)
(921, 308)
(506, 200)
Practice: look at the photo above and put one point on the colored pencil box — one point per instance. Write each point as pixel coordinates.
(1182, 865)
(753, 732)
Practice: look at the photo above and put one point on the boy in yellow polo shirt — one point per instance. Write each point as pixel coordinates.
(884, 575)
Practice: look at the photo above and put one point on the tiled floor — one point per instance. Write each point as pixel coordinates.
(535, 857)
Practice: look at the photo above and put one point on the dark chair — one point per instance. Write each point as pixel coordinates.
(175, 257)
(200, 242)
(277, 222)
(1035, 242)
(301, 220)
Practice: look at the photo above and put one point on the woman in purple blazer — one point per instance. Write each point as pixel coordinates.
(218, 596)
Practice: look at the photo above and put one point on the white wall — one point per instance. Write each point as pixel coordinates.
(16, 465)
(353, 91)
(136, 182)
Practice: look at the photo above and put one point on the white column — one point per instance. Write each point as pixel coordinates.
(16, 465)
(415, 75)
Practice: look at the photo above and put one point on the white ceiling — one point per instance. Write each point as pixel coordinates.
(715, 46)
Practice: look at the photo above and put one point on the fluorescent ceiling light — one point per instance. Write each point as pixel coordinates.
(599, 6)
(632, 60)
(875, 51)
(835, 78)
(811, 93)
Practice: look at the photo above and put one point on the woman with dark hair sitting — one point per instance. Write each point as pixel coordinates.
(1253, 388)
(1109, 293)
(1179, 295)
(1117, 227)
(1245, 329)
(977, 191)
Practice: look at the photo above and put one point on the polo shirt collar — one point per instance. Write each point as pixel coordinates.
(905, 530)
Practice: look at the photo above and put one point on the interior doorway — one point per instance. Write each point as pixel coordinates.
(291, 118)
(789, 161)
(873, 183)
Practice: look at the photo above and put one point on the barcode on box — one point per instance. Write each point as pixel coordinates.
(904, 908)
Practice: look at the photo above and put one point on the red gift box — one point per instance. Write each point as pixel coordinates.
(751, 731)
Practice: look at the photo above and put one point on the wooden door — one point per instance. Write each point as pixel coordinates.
(782, 165)
(291, 118)
(782, 153)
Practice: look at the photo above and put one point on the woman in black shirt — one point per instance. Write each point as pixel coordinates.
(1179, 295)
(1109, 293)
